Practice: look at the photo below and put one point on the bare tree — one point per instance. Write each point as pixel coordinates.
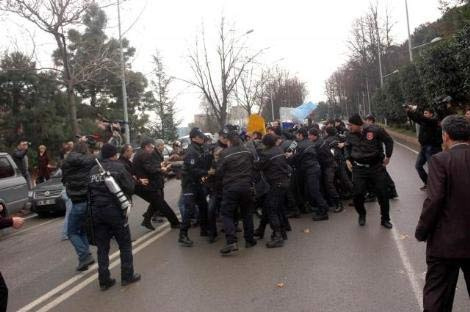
(249, 90)
(217, 80)
(54, 17)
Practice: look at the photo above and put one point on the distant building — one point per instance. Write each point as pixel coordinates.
(238, 116)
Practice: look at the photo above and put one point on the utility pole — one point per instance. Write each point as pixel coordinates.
(123, 79)
(410, 45)
(379, 52)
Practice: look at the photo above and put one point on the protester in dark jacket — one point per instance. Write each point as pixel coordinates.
(147, 167)
(75, 176)
(429, 139)
(445, 219)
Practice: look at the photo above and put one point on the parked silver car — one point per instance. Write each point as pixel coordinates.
(13, 186)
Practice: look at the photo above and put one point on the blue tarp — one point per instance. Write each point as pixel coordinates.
(304, 110)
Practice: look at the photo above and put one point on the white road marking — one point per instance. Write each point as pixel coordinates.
(407, 147)
(76, 278)
(92, 278)
(33, 215)
(413, 277)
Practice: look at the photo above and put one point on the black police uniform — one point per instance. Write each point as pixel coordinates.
(307, 165)
(236, 171)
(109, 220)
(275, 168)
(196, 166)
(365, 151)
(148, 166)
(328, 166)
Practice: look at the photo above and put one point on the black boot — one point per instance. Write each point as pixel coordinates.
(229, 249)
(134, 279)
(339, 207)
(259, 233)
(148, 224)
(276, 241)
(320, 217)
(108, 284)
(185, 241)
(362, 220)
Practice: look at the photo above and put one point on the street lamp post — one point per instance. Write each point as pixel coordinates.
(123, 79)
(410, 44)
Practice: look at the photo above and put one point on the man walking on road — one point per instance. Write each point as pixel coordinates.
(429, 137)
(365, 156)
(109, 220)
(75, 173)
(445, 220)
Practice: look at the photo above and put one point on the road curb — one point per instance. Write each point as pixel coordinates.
(410, 141)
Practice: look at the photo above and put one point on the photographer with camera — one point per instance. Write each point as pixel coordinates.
(20, 157)
(429, 138)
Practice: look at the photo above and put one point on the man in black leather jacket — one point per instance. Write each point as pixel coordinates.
(147, 167)
(75, 174)
(306, 162)
(109, 219)
(235, 169)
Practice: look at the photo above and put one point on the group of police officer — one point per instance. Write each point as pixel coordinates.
(229, 181)
(277, 173)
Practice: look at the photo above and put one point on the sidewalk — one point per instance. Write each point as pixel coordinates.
(404, 138)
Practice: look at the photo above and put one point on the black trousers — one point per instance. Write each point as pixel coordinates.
(441, 280)
(328, 176)
(275, 206)
(105, 228)
(157, 203)
(237, 197)
(196, 196)
(375, 176)
(215, 200)
(3, 294)
(313, 192)
(342, 176)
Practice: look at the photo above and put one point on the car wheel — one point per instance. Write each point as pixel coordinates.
(4, 212)
(43, 214)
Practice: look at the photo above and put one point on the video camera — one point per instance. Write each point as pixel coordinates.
(91, 140)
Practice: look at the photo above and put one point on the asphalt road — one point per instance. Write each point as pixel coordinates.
(328, 266)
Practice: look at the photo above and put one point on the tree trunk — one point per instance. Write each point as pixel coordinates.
(73, 110)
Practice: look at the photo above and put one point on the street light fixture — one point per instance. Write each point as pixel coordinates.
(437, 39)
(396, 71)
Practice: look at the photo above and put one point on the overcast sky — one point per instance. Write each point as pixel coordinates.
(309, 36)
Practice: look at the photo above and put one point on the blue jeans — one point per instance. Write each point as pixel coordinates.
(77, 235)
(427, 151)
(68, 208)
